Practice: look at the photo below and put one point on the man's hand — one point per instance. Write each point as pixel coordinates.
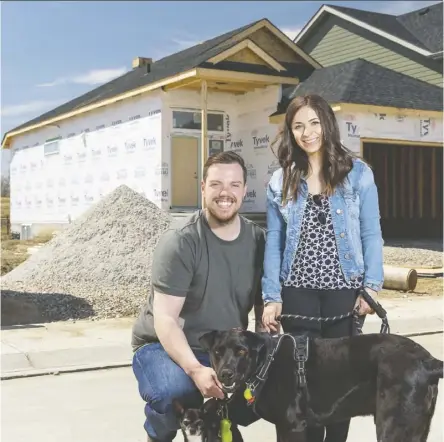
(363, 307)
(271, 312)
(206, 381)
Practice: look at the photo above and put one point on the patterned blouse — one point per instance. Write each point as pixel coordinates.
(316, 264)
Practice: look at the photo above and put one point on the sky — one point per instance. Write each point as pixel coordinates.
(54, 51)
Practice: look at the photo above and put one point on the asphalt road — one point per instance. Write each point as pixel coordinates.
(104, 405)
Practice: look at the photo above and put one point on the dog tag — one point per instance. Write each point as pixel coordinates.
(248, 395)
(225, 431)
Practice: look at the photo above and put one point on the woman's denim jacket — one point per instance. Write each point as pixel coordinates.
(356, 222)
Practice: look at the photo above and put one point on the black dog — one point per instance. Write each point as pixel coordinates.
(388, 376)
(203, 424)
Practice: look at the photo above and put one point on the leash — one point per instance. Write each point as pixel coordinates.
(375, 305)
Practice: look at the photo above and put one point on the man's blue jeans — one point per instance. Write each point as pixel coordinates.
(161, 380)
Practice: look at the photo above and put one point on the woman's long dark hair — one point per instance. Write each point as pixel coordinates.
(337, 159)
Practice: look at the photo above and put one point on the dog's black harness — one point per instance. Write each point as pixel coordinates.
(256, 383)
(301, 348)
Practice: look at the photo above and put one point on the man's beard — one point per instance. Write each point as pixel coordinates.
(221, 220)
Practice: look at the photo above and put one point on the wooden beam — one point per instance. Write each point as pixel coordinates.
(252, 47)
(420, 113)
(204, 138)
(401, 142)
(228, 87)
(421, 183)
(433, 189)
(182, 84)
(243, 77)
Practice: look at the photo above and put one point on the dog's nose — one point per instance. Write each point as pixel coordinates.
(226, 375)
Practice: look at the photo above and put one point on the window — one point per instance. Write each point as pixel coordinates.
(51, 147)
(215, 122)
(215, 146)
(193, 120)
(186, 120)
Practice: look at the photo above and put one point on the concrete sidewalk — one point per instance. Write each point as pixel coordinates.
(86, 345)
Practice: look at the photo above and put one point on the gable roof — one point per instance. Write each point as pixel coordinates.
(363, 82)
(172, 65)
(165, 67)
(420, 30)
(426, 25)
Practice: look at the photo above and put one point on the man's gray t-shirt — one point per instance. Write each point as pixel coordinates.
(220, 279)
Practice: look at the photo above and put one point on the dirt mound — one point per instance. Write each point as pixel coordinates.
(103, 258)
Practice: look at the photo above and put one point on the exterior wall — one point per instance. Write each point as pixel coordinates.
(251, 134)
(337, 41)
(52, 190)
(95, 156)
(415, 128)
(247, 131)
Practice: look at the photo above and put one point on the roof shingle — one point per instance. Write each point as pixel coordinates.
(422, 28)
(166, 67)
(362, 82)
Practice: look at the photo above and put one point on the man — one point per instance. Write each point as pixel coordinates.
(206, 275)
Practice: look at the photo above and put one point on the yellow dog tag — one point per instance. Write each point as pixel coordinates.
(225, 431)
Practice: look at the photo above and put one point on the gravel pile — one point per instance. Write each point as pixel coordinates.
(99, 266)
(412, 257)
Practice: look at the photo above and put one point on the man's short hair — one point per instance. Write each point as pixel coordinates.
(227, 157)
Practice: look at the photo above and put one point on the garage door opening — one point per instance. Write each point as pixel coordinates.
(410, 187)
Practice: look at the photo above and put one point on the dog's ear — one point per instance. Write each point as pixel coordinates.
(210, 406)
(207, 340)
(255, 341)
(178, 409)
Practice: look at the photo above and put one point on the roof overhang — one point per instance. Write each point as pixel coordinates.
(279, 118)
(324, 10)
(217, 80)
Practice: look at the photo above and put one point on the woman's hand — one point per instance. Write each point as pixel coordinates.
(363, 307)
(271, 312)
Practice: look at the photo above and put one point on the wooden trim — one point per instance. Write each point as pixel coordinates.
(245, 77)
(400, 142)
(394, 176)
(433, 189)
(412, 196)
(228, 87)
(328, 10)
(180, 85)
(277, 119)
(386, 184)
(368, 108)
(351, 107)
(252, 47)
(204, 133)
(421, 184)
(130, 94)
(402, 179)
(281, 36)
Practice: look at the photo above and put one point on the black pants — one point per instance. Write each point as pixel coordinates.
(321, 303)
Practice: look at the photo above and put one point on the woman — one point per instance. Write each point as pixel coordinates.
(324, 237)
